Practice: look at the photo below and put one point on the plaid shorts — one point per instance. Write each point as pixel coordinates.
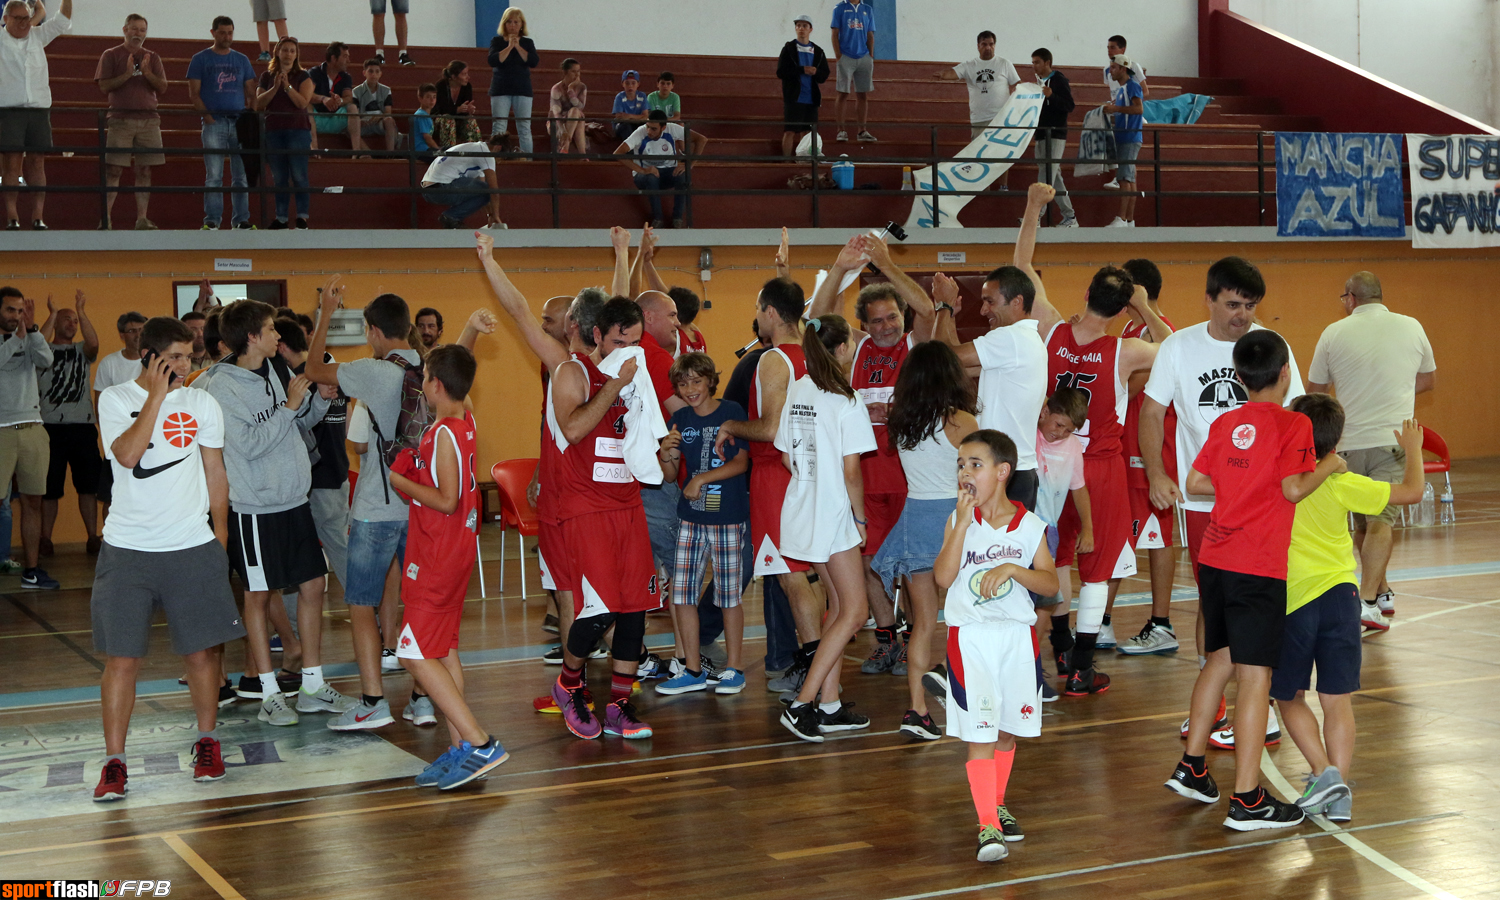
(695, 542)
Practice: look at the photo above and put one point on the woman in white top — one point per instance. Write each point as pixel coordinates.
(824, 428)
(932, 410)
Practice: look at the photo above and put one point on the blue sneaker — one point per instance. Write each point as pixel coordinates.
(683, 682)
(434, 773)
(731, 681)
(473, 762)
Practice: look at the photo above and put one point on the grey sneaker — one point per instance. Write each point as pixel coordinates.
(791, 679)
(274, 711)
(420, 712)
(715, 653)
(324, 699)
(1340, 809)
(899, 668)
(883, 657)
(1322, 790)
(362, 717)
(1153, 638)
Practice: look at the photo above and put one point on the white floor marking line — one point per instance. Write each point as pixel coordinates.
(1440, 612)
(1273, 774)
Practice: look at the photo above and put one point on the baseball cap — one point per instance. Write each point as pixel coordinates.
(1121, 60)
(630, 73)
(807, 19)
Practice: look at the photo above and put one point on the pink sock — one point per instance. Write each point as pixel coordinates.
(982, 787)
(1004, 759)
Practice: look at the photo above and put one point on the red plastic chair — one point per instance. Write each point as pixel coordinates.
(512, 477)
(1433, 443)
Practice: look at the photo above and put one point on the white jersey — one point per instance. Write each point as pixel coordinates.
(817, 431)
(987, 545)
(1059, 470)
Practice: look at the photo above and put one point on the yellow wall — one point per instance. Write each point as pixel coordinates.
(1448, 291)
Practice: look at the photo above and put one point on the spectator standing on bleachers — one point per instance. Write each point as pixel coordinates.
(68, 417)
(132, 77)
(512, 56)
(266, 12)
(454, 122)
(665, 98)
(399, 8)
(422, 122)
(26, 104)
(285, 92)
(1115, 46)
(1051, 139)
(801, 67)
(24, 450)
(854, 61)
(333, 106)
(465, 184)
(221, 83)
(630, 105)
(989, 79)
(565, 112)
(1126, 106)
(373, 100)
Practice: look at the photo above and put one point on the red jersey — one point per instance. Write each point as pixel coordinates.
(874, 378)
(765, 452)
(1135, 469)
(659, 364)
(1248, 452)
(686, 343)
(547, 458)
(439, 560)
(1094, 369)
(592, 475)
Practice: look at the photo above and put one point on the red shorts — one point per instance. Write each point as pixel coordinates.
(428, 633)
(557, 568)
(1112, 556)
(1150, 528)
(768, 485)
(1196, 523)
(610, 553)
(1068, 526)
(881, 512)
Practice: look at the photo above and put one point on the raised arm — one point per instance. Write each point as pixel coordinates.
(1037, 198)
(619, 286)
(85, 327)
(648, 279)
(547, 349)
(923, 312)
(50, 324)
(784, 255)
(829, 300)
(318, 371)
(945, 291)
(481, 321)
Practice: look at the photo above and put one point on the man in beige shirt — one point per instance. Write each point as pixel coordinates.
(1379, 360)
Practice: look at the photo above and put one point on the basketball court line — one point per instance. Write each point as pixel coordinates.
(201, 866)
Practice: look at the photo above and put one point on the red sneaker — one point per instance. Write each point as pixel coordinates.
(111, 782)
(208, 760)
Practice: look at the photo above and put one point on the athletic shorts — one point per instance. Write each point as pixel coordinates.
(768, 485)
(1246, 613)
(399, 7)
(1194, 524)
(74, 445)
(27, 127)
(855, 75)
(881, 513)
(1150, 528)
(331, 123)
(611, 555)
(696, 542)
(372, 546)
(1386, 464)
(106, 490)
(992, 682)
(1324, 632)
(267, 10)
(1127, 154)
(429, 633)
(799, 117)
(191, 586)
(1068, 527)
(25, 453)
(276, 551)
(1023, 487)
(1112, 556)
(557, 570)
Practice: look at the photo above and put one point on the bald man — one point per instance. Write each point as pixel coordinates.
(1378, 361)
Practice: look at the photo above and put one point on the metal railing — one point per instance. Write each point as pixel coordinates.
(932, 134)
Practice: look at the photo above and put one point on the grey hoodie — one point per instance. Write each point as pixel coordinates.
(265, 454)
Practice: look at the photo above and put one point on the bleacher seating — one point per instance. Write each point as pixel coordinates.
(742, 89)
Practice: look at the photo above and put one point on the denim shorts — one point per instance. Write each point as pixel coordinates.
(372, 546)
(914, 542)
(1127, 154)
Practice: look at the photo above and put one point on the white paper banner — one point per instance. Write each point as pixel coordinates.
(1455, 190)
(997, 150)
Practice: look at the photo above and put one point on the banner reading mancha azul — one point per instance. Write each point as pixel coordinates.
(1455, 189)
(1338, 185)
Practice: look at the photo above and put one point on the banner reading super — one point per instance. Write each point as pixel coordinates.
(1455, 189)
(1338, 185)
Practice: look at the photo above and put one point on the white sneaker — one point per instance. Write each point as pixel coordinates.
(274, 711)
(1118, 223)
(1069, 222)
(420, 712)
(1106, 639)
(1130, 224)
(363, 718)
(389, 662)
(324, 699)
(1386, 600)
(1370, 617)
(1152, 639)
(841, 137)
(1112, 185)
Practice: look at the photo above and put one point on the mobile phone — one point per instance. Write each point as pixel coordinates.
(147, 356)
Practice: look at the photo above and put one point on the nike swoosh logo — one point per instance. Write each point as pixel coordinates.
(360, 718)
(141, 472)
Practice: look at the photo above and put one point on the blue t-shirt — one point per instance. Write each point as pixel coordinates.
(421, 123)
(630, 107)
(805, 57)
(722, 502)
(221, 80)
(1127, 128)
(855, 22)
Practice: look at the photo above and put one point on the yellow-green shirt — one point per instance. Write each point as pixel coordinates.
(1322, 553)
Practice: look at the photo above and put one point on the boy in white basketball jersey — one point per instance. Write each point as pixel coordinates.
(994, 552)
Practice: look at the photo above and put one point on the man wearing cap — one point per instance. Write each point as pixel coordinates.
(802, 67)
(630, 105)
(854, 54)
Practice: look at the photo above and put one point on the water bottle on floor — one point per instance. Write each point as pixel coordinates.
(1445, 507)
(1426, 511)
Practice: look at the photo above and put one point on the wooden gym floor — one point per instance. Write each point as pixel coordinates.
(724, 803)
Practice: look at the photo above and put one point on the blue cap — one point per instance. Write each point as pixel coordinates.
(630, 73)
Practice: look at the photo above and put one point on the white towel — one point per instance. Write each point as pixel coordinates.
(644, 426)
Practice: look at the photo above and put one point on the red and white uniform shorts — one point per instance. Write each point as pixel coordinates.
(429, 632)
(1150, 528)
(768, 485)
(610, 554)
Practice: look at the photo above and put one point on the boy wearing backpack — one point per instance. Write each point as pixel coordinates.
(389, 384)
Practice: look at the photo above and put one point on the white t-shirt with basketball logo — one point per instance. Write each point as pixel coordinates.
(818, 430)
(987, 545)
(1195, 371)
(161, 503)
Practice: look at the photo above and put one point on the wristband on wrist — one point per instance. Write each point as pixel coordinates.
(860, 521)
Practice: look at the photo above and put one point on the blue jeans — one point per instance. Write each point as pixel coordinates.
(221, 135)
(289, 169)
(372, 546)
(506, 105)
(463, 197)
(781, 628)
(5, 524)
(664, 180)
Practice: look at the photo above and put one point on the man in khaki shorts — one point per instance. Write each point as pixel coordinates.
(132, 77)
(1379, 361)
(25, 451)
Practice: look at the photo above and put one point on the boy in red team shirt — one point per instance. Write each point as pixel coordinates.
(1258, 462)
(439, 480)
